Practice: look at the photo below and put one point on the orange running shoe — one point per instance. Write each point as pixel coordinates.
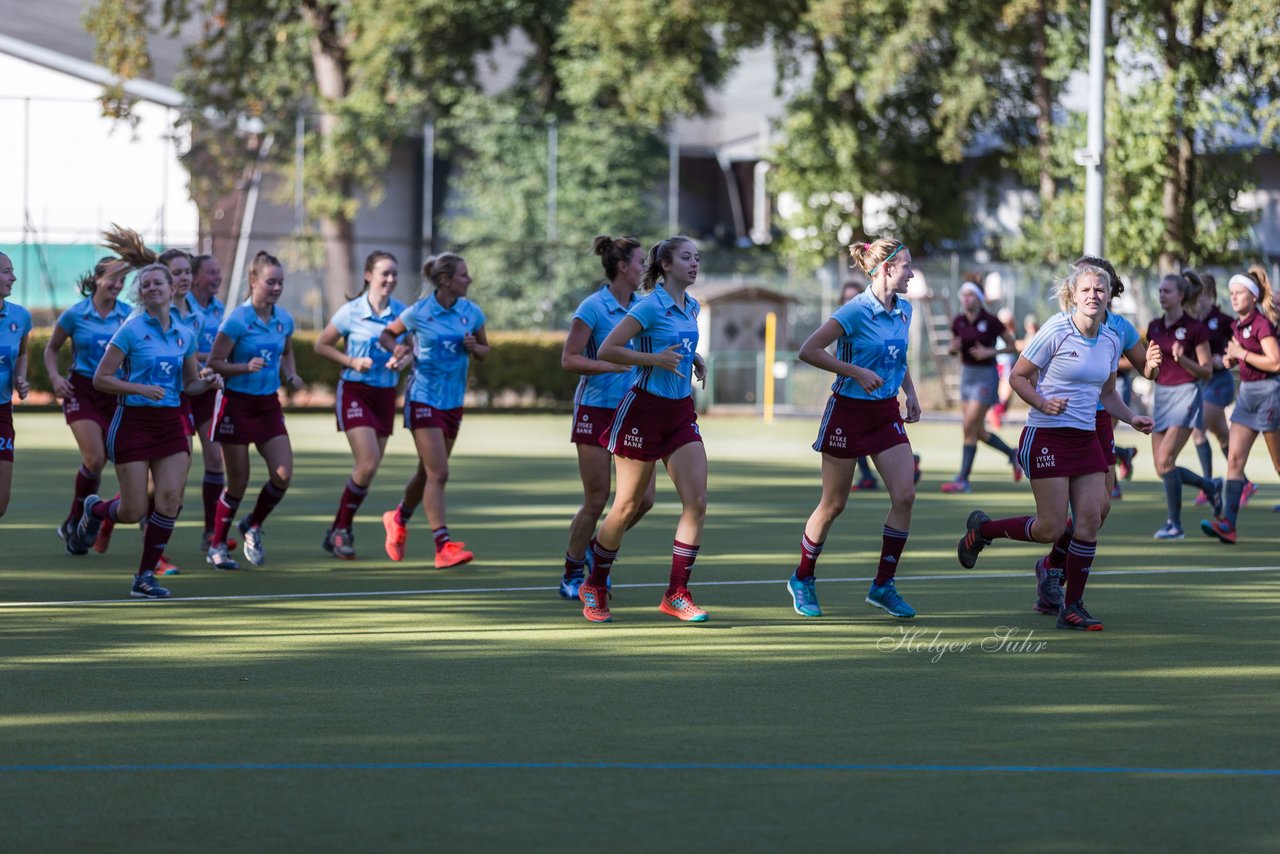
(164, 566)
(680, 605)
(396, 534)
(453, 554)
(103, 541)
(595, 603)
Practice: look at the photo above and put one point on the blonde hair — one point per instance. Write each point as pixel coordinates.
(439, 269)
(664, 251)
(869, 256)
(1067, 290)
(1265, 302)
(136, 255)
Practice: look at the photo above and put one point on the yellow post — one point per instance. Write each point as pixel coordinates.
(770, 356)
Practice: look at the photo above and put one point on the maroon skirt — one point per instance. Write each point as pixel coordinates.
(86, 403)
(247, 419)
(146, 433)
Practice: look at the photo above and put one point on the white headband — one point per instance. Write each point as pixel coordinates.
(975, 290)
(1244, 282)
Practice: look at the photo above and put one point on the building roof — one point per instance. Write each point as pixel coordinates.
(712, 292)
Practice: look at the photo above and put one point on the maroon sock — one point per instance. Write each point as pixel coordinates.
(1057, 557)
(214, 481)
(682, 557)
(159, 529)
(352, 497)
(268, 498)
(441, 536)
(809, 551)
(1013, 528)
(86, 484)
(1079, 562)
(573, 565)
(403, 514)
(108, 511)
(601, 562)
(226, 511)
(892, 542)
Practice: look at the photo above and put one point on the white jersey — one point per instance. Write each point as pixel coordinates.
(1074, 367)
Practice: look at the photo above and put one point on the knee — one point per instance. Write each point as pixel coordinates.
(281, 476)
(1048, 530)
(645, 505)
(1103, 512)
(95, 461)
(1088, 523)
(696, 505)
(128, 514)
(438, 477)
(904, 499)
(593, 503)
(364, 473)
(831, 508)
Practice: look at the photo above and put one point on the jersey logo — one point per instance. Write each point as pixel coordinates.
(13, 327)
(279, 327)
(1246, 332)
(982, 326)
(1180, 333)
(1213, 323)
(1072, 355)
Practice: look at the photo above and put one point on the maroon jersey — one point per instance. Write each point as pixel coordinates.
(1190, 332)
(1249, 332)
(1218, 325)
(985, 329)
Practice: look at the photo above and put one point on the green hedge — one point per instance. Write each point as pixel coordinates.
(523, 365)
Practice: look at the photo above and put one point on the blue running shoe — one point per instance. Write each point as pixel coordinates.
(253, 548)
(804, 595)
(145, 587)
(885, 596)
(1169, 531)
(1216, 495)
(87, 528)
(569, 585)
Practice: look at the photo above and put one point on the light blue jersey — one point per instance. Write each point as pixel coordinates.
(361, 327)
(1074, 367)
(601, 312)
(253, 337)
(440, 373)
(874, 338)
(153, 356)
(210, 320)
(662, 324)
(90, 332)
(1125, 331)
(15, 323)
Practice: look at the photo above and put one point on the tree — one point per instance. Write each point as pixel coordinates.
(367, 72)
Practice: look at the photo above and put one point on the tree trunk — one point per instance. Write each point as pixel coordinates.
(1044, 105)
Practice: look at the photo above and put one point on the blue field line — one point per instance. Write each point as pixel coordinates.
(636, 766)
(543, 588)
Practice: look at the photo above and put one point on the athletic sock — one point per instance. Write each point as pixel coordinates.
(1057, 557)
(682, 557)
(403, 514)
(1013, 528)
(1190, 478)
(968, 452)
(225, 512)
(999, 444)
(601, 562)
(809, 551)
(1173, 494)
(1231, 509)
(892, 542)
(352, 497)
(1205, 453)
(441, 536)
(154, 541)
(1079, 561)
(87, 484)
(108, 511)
(268, 498)
(573, 565)
(214, 481)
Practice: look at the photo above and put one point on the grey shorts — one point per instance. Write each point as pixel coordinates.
(1178, 406)
(1258, 405)
(980, 383)
(1220, 390)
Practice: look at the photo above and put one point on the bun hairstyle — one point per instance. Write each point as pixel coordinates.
(613, 251)
(439, 269)
(106, 268)
(1210, 286)
(371, 262)
(1117, 286)
(869, 256)
(1067, 290)
(1191, 293)
(1266, 296)
(659, 253)
(261, 262)
(135, 255)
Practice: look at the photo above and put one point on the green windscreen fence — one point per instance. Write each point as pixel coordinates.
(47, 272)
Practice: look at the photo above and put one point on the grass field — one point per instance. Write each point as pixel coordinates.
(316, 704)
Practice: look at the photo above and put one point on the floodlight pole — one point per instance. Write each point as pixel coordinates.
(1093, 157)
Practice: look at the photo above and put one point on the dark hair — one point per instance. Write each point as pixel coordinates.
(170, 254)
(659, 253)
(88, 283)
(198, 261)
(1210, 285)
(439, 269)
(1194, 287)
(851, 285)
(1117, 286)
(613, 251)
(260, 262)
(372, 261)
(869, 256)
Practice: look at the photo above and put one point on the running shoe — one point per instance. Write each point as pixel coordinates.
(164, 566)
(1216, 490)
(340, 543)
(1017, 472)
(88, 526)
(885, 596)
(1116, 494)
(804, 595)
(145, 587)
(1223, 530)
(219, 558)
(207, 538)
(680, 605)
(1074, 616)
(995, 415)
(1048, 588)
(1169, 531)
(1202, 499)
(1245, 494)
(397, 531)
(915, 459)
(595, 603)
(453, 553)
(953, 487)
(865, 485)
(70, 542)
(1124, 461)
(254, 551)
(571, 583)
(972, 543)
(102, 542)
